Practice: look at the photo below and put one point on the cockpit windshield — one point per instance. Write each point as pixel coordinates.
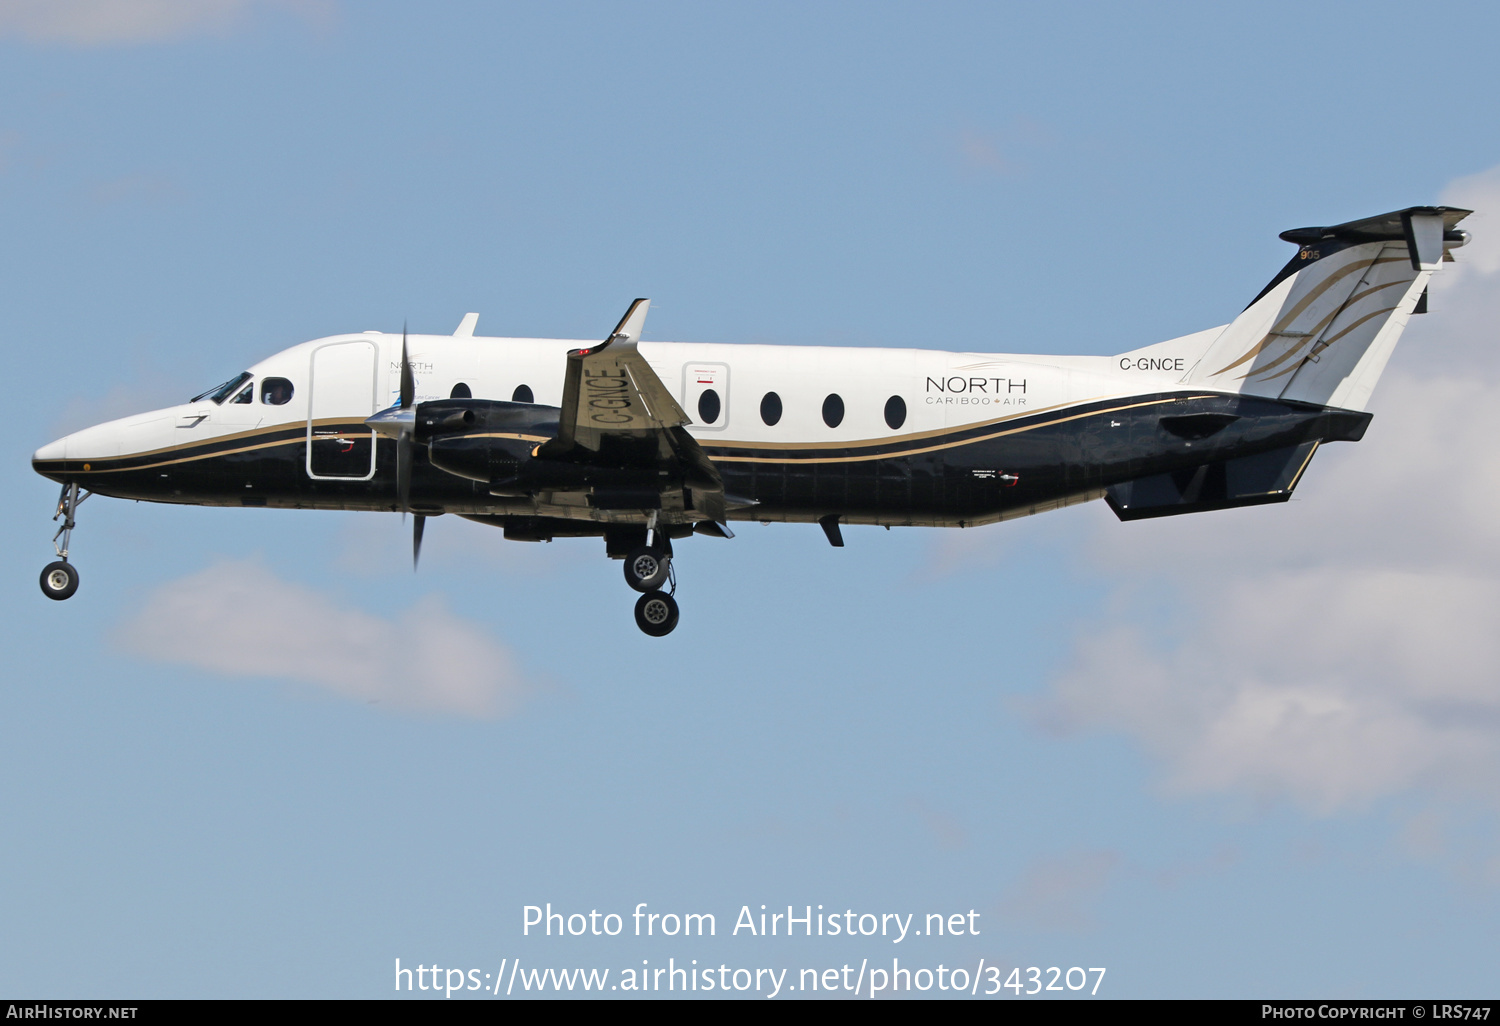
(221, 392)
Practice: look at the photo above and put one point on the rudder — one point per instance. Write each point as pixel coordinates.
(1322, 330)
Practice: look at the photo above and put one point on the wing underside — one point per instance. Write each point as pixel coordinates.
(618, 414)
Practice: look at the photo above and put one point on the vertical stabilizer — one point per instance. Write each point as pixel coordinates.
(1322, 330)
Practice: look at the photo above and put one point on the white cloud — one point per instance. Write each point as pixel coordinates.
(1345, 646)
(1332, 686)
(1481, 194)
(239, 619)
(117, 22)
(1059, 894)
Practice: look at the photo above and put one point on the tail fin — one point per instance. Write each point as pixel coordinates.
(1322, 330)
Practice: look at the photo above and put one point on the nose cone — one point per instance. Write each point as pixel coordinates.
(98, 448)
(57, 450)
(51, 460)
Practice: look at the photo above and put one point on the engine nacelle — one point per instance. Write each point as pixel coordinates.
(482, 439)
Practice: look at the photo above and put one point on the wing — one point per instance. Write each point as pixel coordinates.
(611, 392)
(617, 413)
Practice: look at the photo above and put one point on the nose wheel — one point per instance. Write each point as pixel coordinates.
(60, 579)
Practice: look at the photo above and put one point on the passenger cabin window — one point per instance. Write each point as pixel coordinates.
(709, 406)
(833, 410)
(522, 394)
(276, 391)
(770, 408)
(247, 396)
(895, 412)
(460, 391)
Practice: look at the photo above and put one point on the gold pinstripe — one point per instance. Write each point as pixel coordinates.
(508, 434)
(1323, 324)
(1298, 475)
(946, 445)
(1370, 291)
(1302, 304)
(1334, 339)
(917, 436)
(253, 433)
(215, 454)
(1311, 340)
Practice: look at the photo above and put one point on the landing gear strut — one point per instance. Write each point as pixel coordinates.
(648, 569)
(60, 579)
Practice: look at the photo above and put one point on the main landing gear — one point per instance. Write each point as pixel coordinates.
(648, 568)
(656, 613)
(60, 579)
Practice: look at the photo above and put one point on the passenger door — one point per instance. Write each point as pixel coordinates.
(342, 393)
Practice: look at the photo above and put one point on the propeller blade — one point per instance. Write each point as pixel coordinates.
(404, 446)
(419, 522)
(404, 429)
(408, 383)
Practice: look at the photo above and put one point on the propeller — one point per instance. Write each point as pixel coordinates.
(399, 423)
(404, 442)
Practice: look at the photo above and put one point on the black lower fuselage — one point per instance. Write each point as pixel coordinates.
(976, 474)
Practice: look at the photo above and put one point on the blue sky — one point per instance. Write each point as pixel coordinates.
(1242, 754)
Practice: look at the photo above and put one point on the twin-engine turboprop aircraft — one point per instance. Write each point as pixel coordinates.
(645, 443)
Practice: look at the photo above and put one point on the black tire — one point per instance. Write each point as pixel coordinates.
(656, 613)
(59, 580)
(646, 568)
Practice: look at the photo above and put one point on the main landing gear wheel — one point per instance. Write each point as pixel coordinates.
(60, 581)
(647, 569)
(656, 613)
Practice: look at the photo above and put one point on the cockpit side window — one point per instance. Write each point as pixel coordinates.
(221, 392)
(276, 391)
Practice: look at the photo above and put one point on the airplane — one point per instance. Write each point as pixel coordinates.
(646, 443)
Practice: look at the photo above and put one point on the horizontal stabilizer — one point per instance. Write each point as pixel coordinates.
(1245, 481)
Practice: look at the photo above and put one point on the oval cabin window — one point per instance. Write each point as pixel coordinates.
(276, 391)
(460, 391)
(895, 412)
(770, 408)
(709, 406)
(522, 394)
(833, 410)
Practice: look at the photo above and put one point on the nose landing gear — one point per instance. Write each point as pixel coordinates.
(60, 579)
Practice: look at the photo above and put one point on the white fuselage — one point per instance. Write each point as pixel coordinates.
(940, 390)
